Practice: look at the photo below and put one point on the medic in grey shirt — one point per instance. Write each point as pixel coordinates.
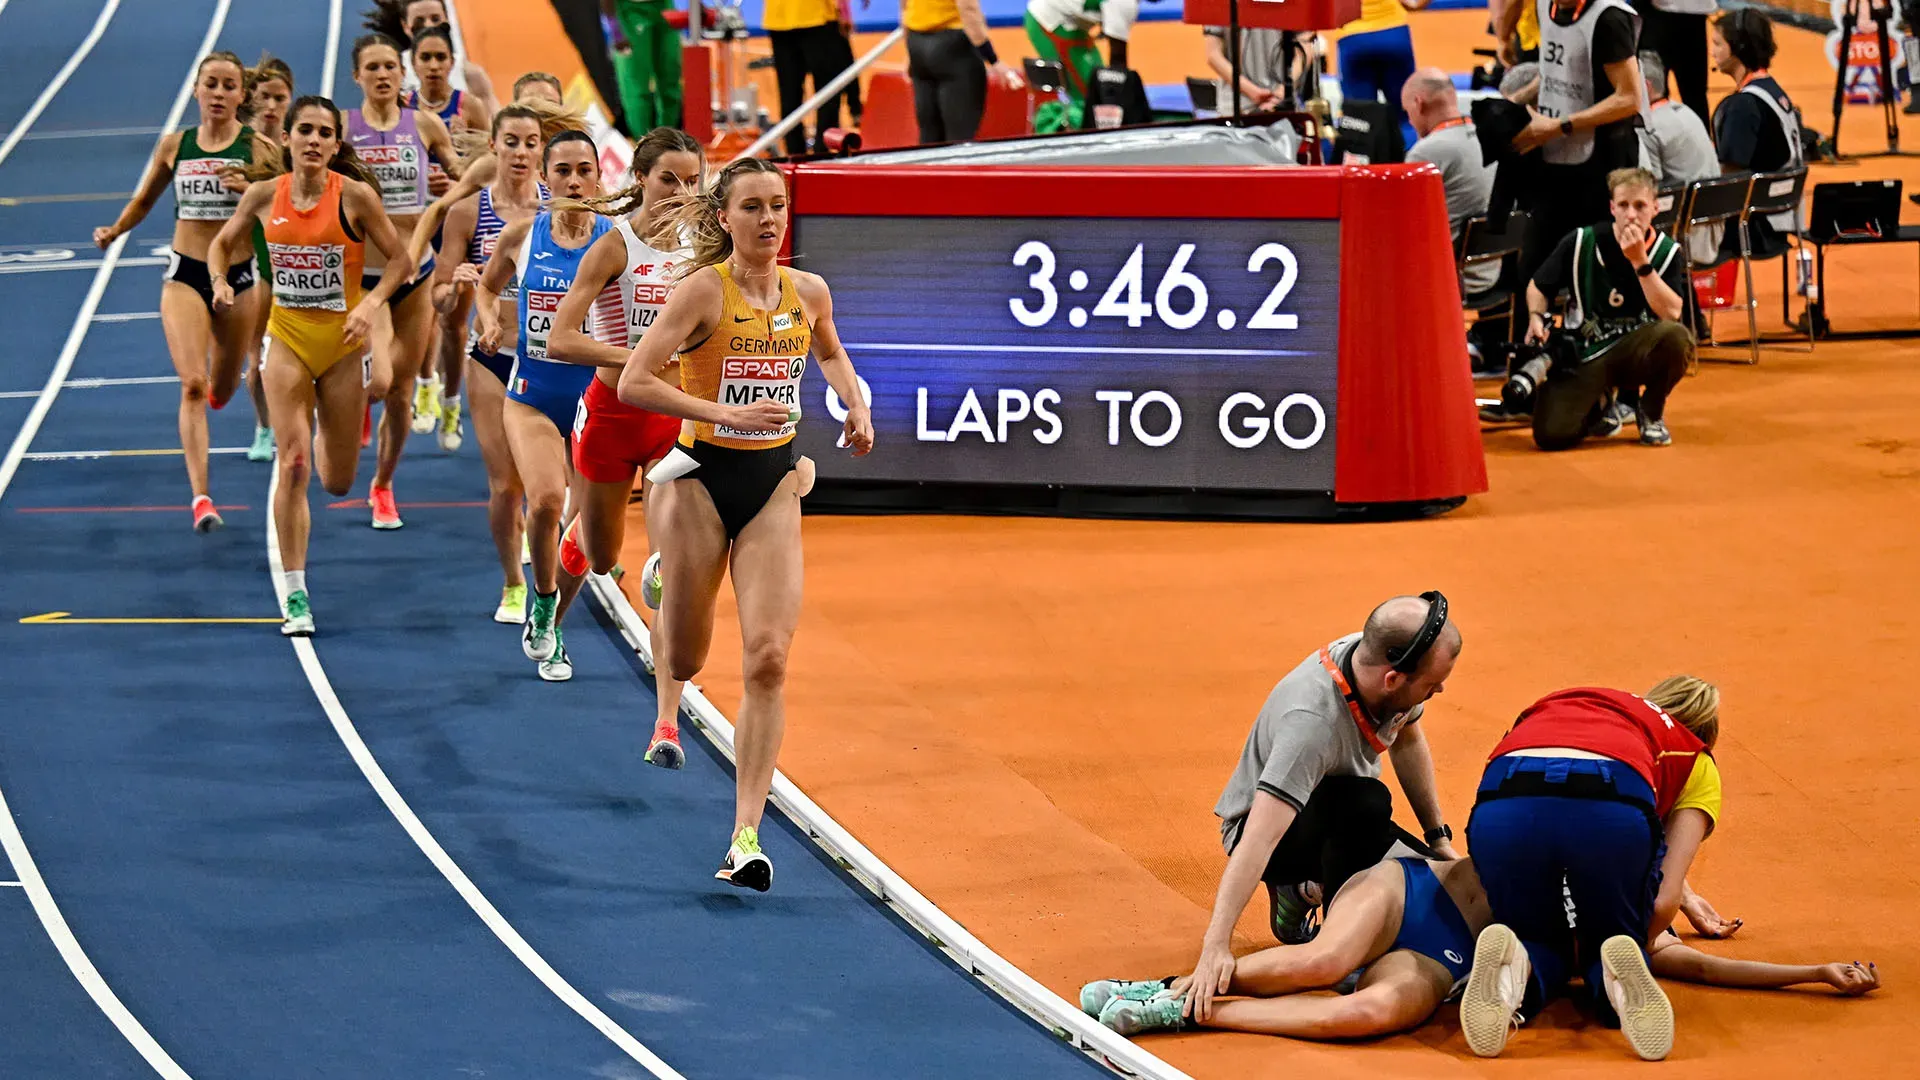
(1306, 805)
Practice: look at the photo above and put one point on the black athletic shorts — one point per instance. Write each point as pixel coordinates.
(739, 481)
(192, 273)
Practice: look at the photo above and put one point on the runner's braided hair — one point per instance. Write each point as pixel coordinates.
(647, 153)
(697, 216)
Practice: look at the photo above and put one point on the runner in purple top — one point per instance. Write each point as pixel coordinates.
(396, 143)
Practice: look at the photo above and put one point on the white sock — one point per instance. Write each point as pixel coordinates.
(296, 581)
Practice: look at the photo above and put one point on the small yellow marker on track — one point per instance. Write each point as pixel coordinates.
(65, 618)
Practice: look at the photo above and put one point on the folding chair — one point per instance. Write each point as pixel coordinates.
(1774, 195)
(1044, 78)
(1205, 95)
(1714, 201)
(1480, 243)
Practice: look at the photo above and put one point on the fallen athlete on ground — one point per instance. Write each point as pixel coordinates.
(1398, 944)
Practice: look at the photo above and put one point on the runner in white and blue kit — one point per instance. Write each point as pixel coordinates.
(543, 396)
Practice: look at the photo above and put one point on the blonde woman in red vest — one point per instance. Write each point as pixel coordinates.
(1593, 805)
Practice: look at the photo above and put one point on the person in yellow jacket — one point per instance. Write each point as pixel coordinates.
(1376, 56)
(808, 40)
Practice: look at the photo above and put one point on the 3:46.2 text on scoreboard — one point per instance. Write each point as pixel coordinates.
(1179, 296)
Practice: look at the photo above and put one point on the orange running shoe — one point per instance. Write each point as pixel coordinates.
(386, 515)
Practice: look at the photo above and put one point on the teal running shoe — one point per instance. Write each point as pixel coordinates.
(299, 615)
(540, 637)
(1095, 995)
(557, 668)
(262, 448)
(1161, 1012)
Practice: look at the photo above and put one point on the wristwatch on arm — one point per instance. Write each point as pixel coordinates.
(1438, 833)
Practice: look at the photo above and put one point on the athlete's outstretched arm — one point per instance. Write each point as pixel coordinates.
(1686, 830)
(451, 270)
(237, 230)
(433, 132)
(369, 218)
(493, 281)
(604, 261)
(152, 186)
(1670, 959)
(480, 85)
(691, 315)
(478, 174)
(835, 365)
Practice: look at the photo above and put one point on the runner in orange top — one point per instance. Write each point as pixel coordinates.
(742, 327)
(317, 221)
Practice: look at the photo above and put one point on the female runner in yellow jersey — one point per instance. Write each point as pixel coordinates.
(742, 327)
(318, 221)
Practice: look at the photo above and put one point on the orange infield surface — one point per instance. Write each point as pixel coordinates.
(1031, 719)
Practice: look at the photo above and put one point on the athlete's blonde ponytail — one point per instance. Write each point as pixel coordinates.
(697, 216)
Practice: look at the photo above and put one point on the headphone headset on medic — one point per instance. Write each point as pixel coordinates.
(1406, 660)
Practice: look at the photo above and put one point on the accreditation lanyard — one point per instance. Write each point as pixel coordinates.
(1354, 708)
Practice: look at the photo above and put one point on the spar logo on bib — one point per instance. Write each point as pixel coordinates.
(398, 170)
(309, 276)
(541, 305)
(745, 380)
(198, 191)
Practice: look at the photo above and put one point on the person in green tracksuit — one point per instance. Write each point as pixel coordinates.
(1062, 31)
(646, 62)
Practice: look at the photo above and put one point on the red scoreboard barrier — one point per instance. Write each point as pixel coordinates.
(1283, 340)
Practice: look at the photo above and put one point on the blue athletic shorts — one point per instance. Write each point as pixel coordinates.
(552, 387)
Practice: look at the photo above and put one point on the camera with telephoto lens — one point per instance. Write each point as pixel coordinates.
(1529, 368)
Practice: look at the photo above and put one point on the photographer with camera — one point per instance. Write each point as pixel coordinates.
(1622, 349)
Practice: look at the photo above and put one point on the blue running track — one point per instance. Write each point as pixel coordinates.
(196, 816)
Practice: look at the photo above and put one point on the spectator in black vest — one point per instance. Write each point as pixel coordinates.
(1756, 128)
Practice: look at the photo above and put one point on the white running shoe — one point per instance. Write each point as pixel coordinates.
(557, 668)
(1490, 1007)
(1646, 1016)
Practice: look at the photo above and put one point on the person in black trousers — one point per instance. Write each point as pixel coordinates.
(1676, 32)
(951, 60)
(808, 42)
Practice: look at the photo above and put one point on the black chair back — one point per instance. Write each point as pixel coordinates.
(1481, 241)
(1205, 95)
(1045, 76)
(1777, 193)
(1121, 94)
(1720, 199)
(1855, 210)
(1670, 205)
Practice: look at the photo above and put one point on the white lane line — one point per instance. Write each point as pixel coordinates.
(390, 795)
(422, 837)
(97, 455)
(79, 264)
(59, 80)
(15, 844)
(1051, 1010)
(8, 884)
(95, 384)
(330, 60)
(126, 316)
(93, 133)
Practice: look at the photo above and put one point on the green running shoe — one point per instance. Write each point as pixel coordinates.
(539, 639)
(557, 668)
(262, 448)
(450, 424)
(1131, 1016)
(426, 406)
(299, 615)
(1095, 995)
(746, 865)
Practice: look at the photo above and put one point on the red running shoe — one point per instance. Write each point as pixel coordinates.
(385, 514)
(205, 517)
(665, 750)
